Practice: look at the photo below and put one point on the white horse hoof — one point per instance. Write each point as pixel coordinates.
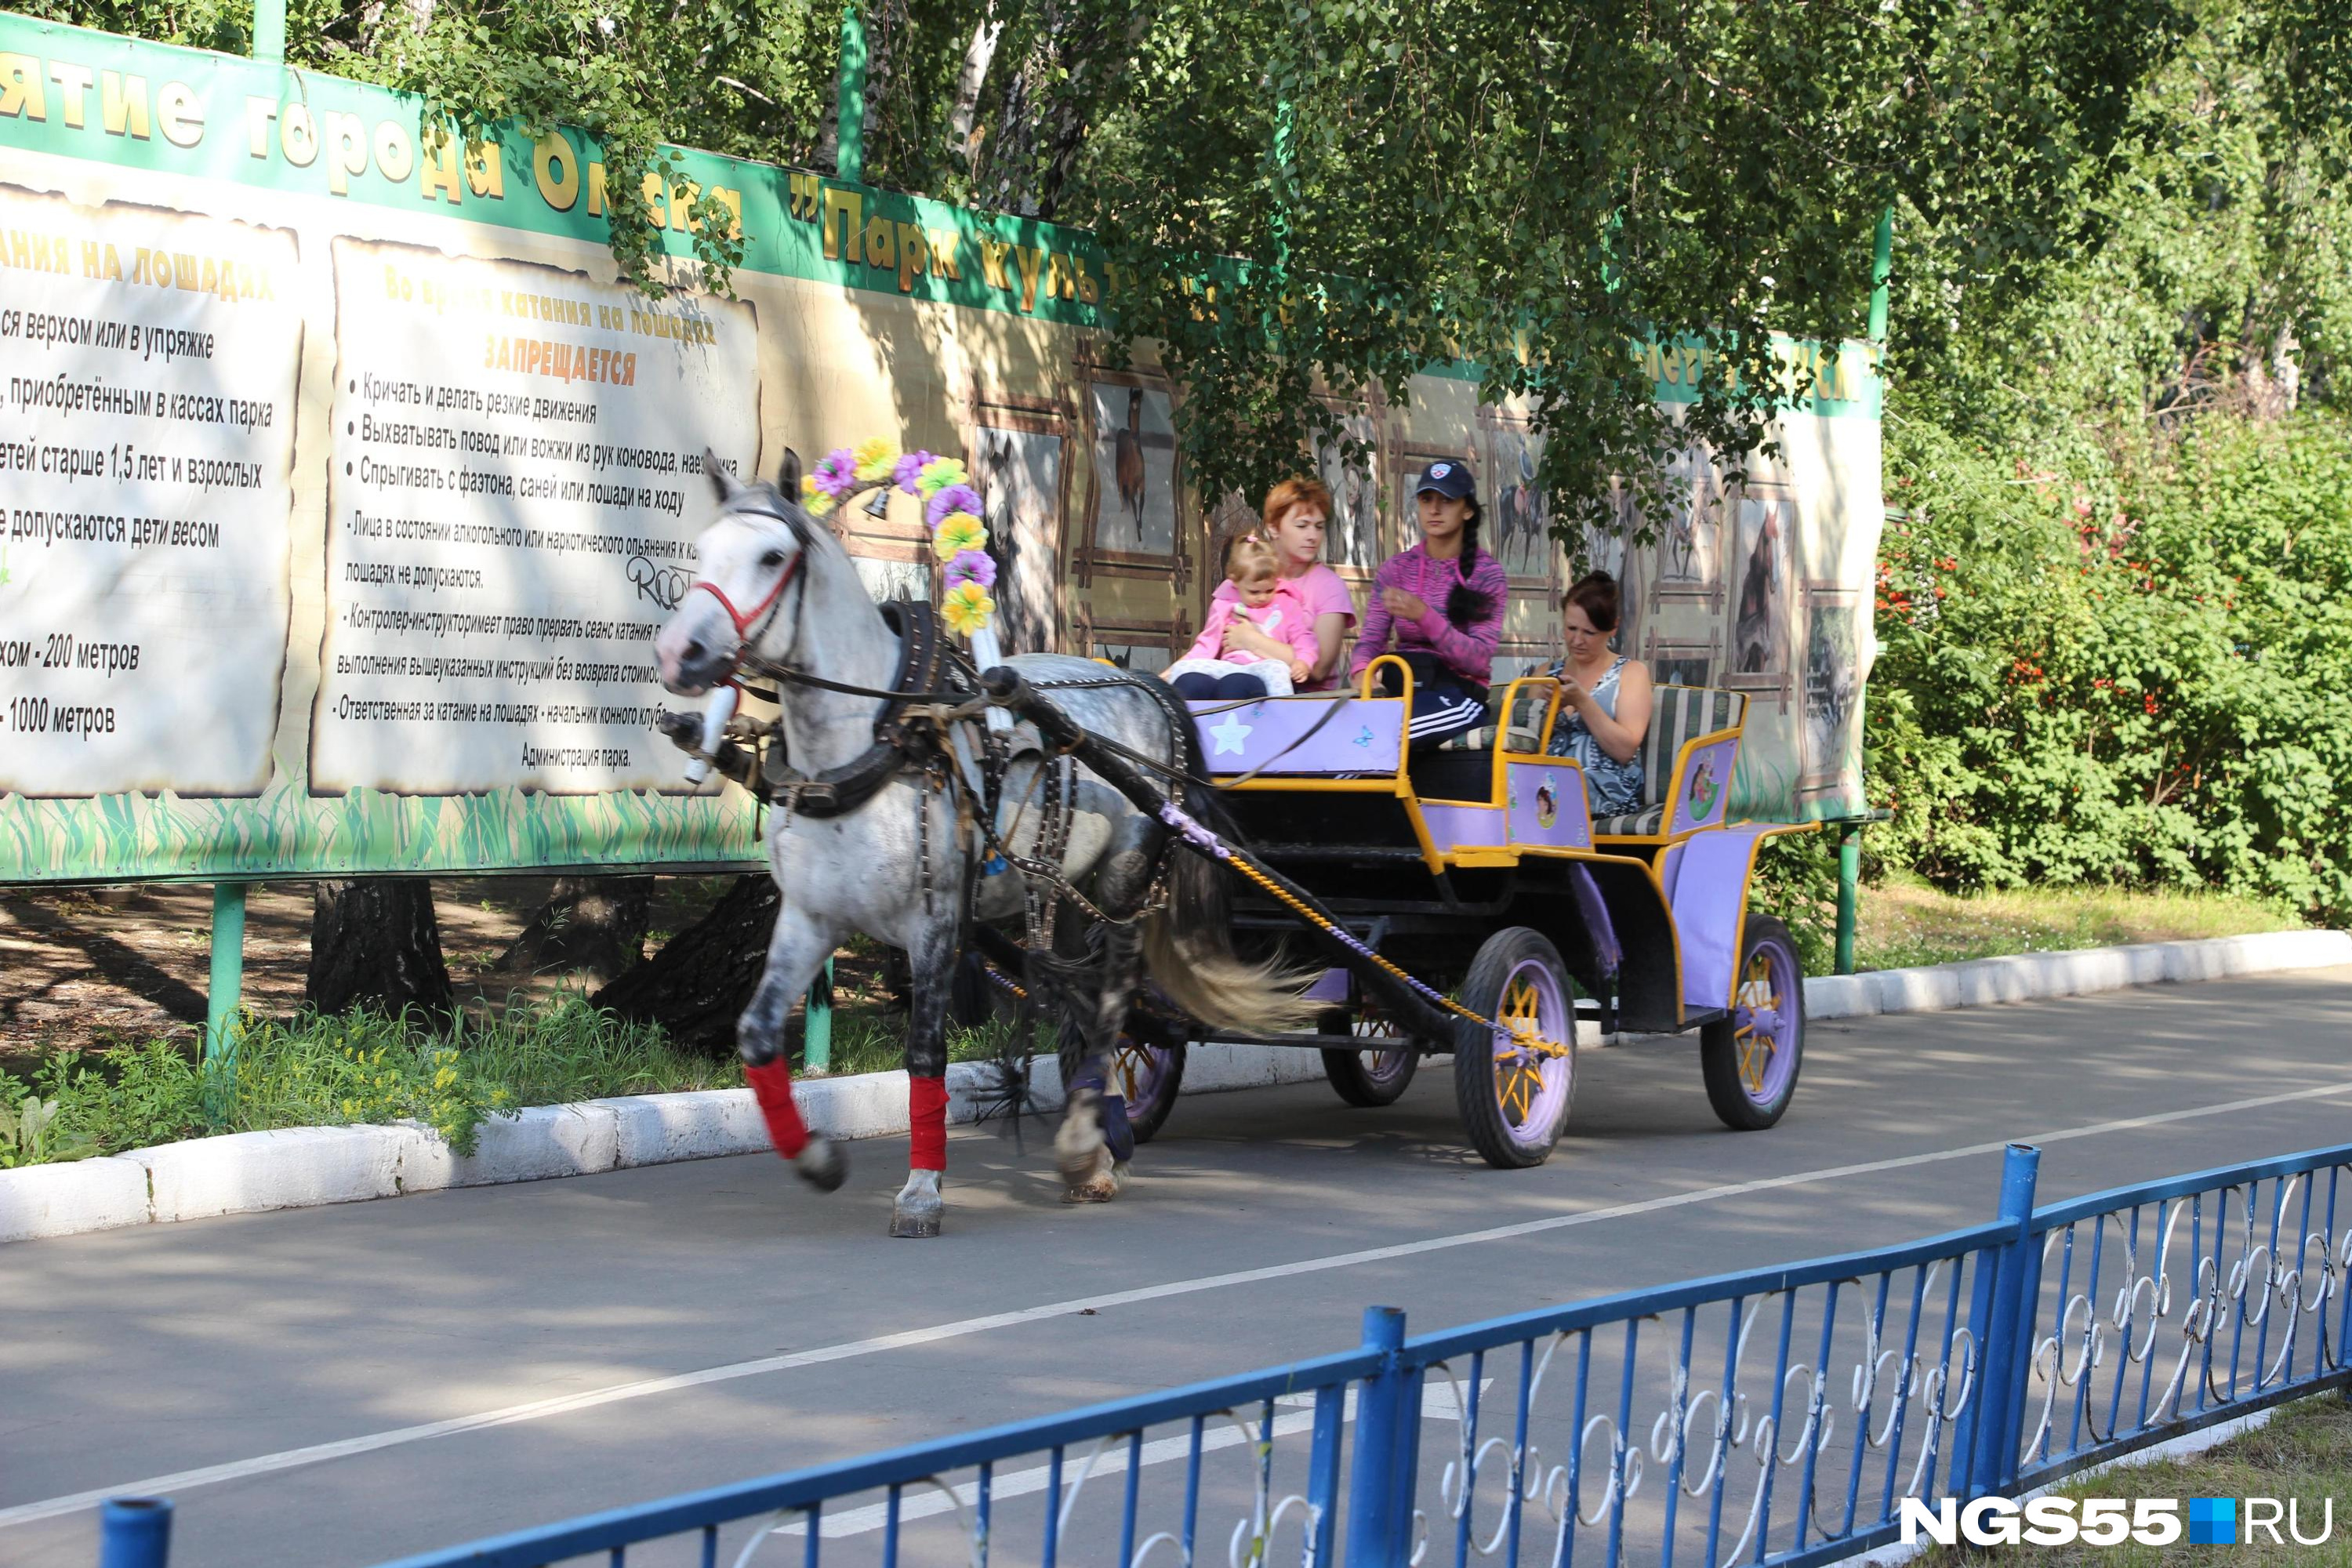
(1102, 1184)
(915, 1213)
(1078, 1153)
(822, 1164)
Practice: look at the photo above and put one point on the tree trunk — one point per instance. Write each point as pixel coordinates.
(375, 943)
(593, 926)
(702, 979)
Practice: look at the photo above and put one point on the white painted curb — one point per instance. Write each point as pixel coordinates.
(2031, 976)
(303, 1167)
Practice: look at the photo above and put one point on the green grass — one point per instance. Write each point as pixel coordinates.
(365, 1068)
(1905, 923)
(2304, 1452)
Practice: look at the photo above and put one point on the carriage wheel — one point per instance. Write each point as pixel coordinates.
(1751, 1058)
(1514, 1087)
(1147, 1072)
(1371, 1076)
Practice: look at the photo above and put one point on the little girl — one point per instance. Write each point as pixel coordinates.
(1261, 598)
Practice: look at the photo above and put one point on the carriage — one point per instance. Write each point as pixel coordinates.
(1477, 870)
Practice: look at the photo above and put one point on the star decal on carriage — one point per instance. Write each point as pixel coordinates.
(1232, 734)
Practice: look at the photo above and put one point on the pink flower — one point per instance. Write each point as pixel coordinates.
(954, 499)
(910, 471)
(837, 475)
(973, 566)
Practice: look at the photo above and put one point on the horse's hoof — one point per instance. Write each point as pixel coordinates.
(1098, 1186)
(822, 1164)
(1079, 1143)
(916, 1211)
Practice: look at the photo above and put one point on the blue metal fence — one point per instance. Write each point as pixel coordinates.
(1778, 1416)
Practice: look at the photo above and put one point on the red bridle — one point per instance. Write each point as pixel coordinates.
(745, 621)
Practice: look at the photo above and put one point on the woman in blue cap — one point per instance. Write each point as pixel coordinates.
(1441, 603)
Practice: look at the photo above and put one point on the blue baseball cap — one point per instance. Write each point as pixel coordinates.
(1449, 478)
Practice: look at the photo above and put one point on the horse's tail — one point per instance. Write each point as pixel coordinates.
(1188, 945)
(1188, 948)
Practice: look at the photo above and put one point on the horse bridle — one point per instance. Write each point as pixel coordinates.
(753, 623)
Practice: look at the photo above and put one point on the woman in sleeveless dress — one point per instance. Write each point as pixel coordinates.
(1604, 699)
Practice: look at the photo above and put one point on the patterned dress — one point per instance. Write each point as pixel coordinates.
(1613, 787)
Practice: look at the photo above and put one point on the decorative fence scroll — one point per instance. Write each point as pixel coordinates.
(1779, 1416)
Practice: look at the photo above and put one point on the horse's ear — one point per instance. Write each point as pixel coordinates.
(726, 484)
(788, 475)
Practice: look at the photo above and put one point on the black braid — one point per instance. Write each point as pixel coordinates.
(1465, 605)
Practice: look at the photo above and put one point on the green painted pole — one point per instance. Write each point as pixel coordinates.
(849, 117)
(228, 981)
(1882, 270)
(269, 31)
(1849, 893)
(816, 1047)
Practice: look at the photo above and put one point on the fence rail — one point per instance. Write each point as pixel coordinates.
(1778, 1416)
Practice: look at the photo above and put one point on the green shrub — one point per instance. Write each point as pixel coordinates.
(2090, 675)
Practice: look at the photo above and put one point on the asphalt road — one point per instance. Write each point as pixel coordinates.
(647, 1332)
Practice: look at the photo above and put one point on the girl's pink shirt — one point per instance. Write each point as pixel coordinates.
(1323, 592)
(1296, 627)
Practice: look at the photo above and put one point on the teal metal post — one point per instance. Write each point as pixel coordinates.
(849, 116)
(269, 31)
(221, 996)
(1881, 268)
(1849, 893)
(816, 1045)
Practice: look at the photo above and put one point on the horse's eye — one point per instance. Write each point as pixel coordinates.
(772, 559)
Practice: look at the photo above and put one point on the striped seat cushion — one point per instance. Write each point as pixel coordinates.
(1642, 823)
(1680, 715)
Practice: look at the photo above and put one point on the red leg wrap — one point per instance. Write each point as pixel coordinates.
(927, 1123)
(772, 1085)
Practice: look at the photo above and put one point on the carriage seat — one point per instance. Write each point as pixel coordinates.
(1687, 761)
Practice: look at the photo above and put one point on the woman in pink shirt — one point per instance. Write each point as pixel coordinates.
(1296, 514)
(1443, 602)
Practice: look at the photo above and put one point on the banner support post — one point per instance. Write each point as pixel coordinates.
(228, 981)
(817, 1033)
(849, 113)
(269, 31)
(1882, 270)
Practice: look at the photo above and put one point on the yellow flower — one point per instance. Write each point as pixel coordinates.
(967, 608)
(814, 502)
(938, 474)
(959, 531)
(875, 459)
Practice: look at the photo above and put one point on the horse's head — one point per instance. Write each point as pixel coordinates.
(750, 555)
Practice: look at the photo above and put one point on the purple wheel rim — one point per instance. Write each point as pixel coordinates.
(1138, 1072)
(1530, 1085)
(1764, 1023)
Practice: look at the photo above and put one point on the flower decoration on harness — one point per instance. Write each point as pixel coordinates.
(952, 512)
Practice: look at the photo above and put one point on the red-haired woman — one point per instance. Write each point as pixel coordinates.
(1296, 513)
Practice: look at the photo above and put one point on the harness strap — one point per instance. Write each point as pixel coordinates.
(744, 622)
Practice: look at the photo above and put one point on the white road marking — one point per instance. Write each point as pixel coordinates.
(565, 1404)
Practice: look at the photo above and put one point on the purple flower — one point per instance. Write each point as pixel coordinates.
(954, 499)
(909, 471)
(837, 475)
(973, 566)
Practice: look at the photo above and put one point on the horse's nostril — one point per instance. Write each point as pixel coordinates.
(694, 652)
